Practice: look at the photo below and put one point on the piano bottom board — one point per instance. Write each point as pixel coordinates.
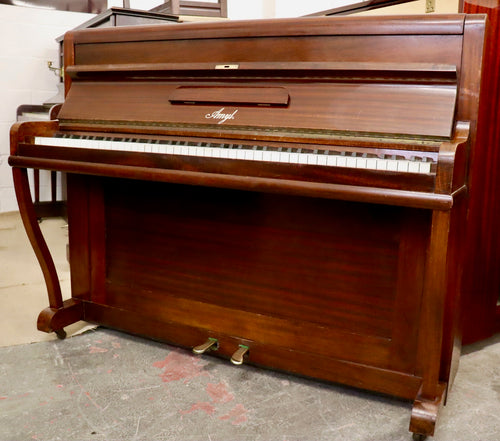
(321, 288)
(297, 362)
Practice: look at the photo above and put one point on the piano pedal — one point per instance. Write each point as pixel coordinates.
(237, 357)
(210, 344)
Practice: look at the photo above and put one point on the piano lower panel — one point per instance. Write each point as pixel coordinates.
(305, 277)
(283, 359)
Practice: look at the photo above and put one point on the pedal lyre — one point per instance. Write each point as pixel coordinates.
(211, 343)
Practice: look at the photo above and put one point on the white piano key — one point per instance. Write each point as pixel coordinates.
(249, 155)
(413, 166)
(275, 156)
(322, 159)
(341, 161)
(302, 158)
(112, 145)
(245, 152)
(267, 155)
(331, 160)
(258, 155)
(284, 157)
(403, 165)
(392, 165)
(312, 158)
(294, 158)
(371, 163)
(350, 161)
(240, 154)
(425, 167)
(361, 162)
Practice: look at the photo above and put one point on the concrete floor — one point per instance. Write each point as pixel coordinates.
(105, 385)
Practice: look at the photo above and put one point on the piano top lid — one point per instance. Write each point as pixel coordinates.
(429, 24)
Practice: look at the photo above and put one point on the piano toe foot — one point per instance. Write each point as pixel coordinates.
(61, 333)
(425, 413)
(55, 319)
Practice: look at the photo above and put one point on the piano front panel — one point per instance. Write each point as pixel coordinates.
(259, 267)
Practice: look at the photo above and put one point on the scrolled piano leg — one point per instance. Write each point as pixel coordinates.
(425, 413)
(30, 221)
(59, 313)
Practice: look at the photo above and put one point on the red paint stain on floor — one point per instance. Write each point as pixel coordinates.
(179, 366)
(237, 415)
(203, 406)
(219, 393)
(96, 350)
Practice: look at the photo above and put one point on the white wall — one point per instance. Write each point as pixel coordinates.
(27, 42)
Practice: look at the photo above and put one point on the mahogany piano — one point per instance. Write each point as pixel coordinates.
(289, 193)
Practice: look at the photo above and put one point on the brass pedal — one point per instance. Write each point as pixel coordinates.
(211, 343)
(237, 357)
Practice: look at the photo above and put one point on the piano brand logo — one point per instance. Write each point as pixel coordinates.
(219, 114)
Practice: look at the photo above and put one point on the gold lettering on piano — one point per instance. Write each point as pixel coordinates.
(219, 114)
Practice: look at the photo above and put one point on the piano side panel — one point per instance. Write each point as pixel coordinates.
(329, 278)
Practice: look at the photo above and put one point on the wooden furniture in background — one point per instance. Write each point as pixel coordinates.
(482, 270)
(289, 193)
(90, 6)
(196, 8)
(359, 6)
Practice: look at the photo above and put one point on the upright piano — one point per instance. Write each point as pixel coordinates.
(289, 193)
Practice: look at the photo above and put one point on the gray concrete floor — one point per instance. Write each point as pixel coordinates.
(105, 385)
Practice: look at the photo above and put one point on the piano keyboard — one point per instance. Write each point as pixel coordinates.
(329, 158)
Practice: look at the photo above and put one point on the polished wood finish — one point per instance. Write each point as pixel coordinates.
(482, 281)
(343, 274)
